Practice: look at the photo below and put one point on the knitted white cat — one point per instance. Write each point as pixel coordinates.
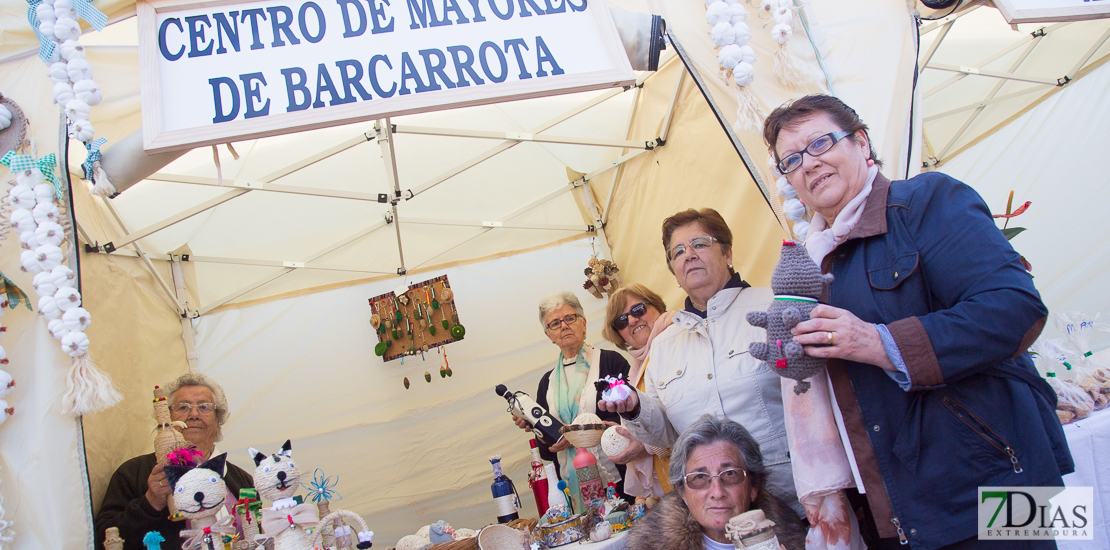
(199, 493)
(276, 477)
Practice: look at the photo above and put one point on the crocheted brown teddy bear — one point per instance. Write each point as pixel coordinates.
(797, 282)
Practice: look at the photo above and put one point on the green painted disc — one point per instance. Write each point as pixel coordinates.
(457, 332)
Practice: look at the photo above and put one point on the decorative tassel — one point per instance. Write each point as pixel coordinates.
(88, 389)
(791, 69)
(749, 115)
(102, 186)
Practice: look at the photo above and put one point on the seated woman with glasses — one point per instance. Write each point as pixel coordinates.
(634, 317)
(568, 390)
(135, 501)
(718, 473)
(700, 364)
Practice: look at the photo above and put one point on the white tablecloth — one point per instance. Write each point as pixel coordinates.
(619, 541)
(1089, 440)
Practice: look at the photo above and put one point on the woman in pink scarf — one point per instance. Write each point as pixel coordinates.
(635, 316)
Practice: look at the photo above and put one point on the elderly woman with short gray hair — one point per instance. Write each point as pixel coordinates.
(718, 473)
(567, 390)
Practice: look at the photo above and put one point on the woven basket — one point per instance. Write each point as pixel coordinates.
(583, 436)
(464, 544)
(500, 537)
(523, 524)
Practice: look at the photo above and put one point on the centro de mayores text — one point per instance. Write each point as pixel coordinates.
(219, 33)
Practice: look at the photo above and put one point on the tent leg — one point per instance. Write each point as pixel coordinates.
(186, 324)
(384, 130)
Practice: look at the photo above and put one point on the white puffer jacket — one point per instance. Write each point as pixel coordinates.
(698, 366)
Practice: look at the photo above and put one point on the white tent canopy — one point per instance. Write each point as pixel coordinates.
(509, 201)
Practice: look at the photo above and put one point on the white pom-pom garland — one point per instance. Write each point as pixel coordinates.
(781, 15)
(737, 14)
(48, 256)
(794, 209)
(28, 261)
(743, 74)
(59, 73)
(57, 329)
(75, 344)
(72, 49)
(723, 34)
(749, 54)
(63, 92)
(718, 12)
(741, 33)
(48, 307)
(77, 110)
(44, 192)
(30, 177)
(46, 28)
(45, 12)
(49, 233)
(801, 230)
(87, 91)
(63, 276)
(729, 56)
(66, 28)
(43, 283)
(76, 319)
(67, 298)
(6, 383)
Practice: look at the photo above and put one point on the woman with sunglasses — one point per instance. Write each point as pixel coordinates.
(928, 321)
(719, 473)
(568, 390)
(634, 317)
(700, 364)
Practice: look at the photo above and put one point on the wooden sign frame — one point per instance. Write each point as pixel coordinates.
(384, 305)
(156, 138)
(1041, 11)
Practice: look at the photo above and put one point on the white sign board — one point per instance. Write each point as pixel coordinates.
(221, 71)
(1038, 11)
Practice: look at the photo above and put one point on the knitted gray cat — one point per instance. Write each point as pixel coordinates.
(797, 282)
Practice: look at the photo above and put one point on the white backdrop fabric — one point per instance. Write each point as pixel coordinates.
(304, 369)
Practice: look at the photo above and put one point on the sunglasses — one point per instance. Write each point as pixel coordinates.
(702, 480)
(637, 311)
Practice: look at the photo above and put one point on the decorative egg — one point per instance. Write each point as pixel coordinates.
(717, 12)
(743, 74)
(48, 256)
(723, 34)
(28, 240)
(66, 28)
(77, 319)
(57, 329)
(63, 276)
(28, 261)
(75, 344)
(794, 209)
(43, 283)
(737, 13)
(44, 192)
(48, 307)
(23, 220)
(801, 230)
(612, 442)
(58, 71)
(79, 69)
(45, 212)
(72, 49)
(786, 190)
(741, 33)
(68, 298)
(22, 196)
(82, 130)
(7, 383)
(77, 109)
(729, 56)
(781, 33)
(87, 91)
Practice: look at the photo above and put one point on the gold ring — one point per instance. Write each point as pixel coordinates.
(162, 483)
(831, 337)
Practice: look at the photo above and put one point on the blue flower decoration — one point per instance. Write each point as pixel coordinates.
(321, 487)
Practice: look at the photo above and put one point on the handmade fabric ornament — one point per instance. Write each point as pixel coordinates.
(48, 256)
(64, 8)
(29, 262)
(152, 541)
(77, 110)
(59, 73)
(22, 196)
(613, 389)
(63, 276)
(45, 212)
(76, 319)
(199, 494)
(458, 332)
(801, 230)
(66, 28)
(743, 74)
(30, 174)
(786, 190)
(49, 233)
(48, 307)
(88, 389)
(741, 33)
(75, 343)
(72, 49)
(277, 478)
(67, 298)
(794, 209)
(798, 283)
(46, 29)
(82, 130)
(7, 383)
(78, 70)
(781, 33)
(723, 34)
(45, 12)
(44, 192)
(23, 220)
(28, 240)
(729, 56)
(441, 531)
(718, 12)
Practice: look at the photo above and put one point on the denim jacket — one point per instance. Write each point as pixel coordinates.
(927, 260)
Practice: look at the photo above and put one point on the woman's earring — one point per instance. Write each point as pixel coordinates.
(730, 266)
(870, 162)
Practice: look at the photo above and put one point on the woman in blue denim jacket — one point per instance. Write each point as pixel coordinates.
(929, 317)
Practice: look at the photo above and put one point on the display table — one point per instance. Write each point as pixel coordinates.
(1089, 441)
(619, 541)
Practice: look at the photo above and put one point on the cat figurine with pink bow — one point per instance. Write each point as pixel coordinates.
(276, 478)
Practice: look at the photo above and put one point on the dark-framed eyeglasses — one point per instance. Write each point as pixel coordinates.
(569, 320)
(729, 477)
(697, 244)
(184, 407)
(816, 148)
(637, 311)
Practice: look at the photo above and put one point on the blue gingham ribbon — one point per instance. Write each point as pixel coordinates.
(17, 163)
(84, 9)
(94, 156)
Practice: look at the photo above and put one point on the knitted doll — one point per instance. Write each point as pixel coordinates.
(797, 282)
(199, 493)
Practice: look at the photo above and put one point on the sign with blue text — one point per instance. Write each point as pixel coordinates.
(222, 71)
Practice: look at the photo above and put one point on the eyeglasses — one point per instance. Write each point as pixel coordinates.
(185, 407)
(637, 311)
(816, 148)
(702, 480)
(697, 244)
(569, 320)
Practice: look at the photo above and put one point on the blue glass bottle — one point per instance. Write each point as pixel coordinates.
(504, 493)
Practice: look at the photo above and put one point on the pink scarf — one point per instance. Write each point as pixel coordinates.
(639, 356)
(639, 477)
(821, 240)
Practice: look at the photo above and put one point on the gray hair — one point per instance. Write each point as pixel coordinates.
(709, 429)
(198, 379)
(556, 300)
